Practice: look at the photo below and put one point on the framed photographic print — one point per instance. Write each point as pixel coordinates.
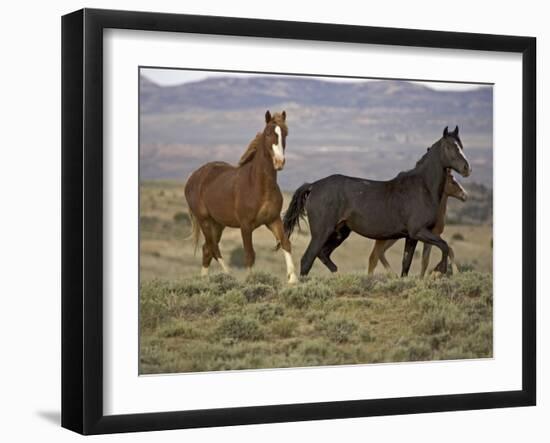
(271, 221)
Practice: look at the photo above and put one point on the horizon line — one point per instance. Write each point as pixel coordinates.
(169, 77)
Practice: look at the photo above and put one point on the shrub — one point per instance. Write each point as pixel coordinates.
(457, 236)
(264, 278)
(222, 283)
(432, 322)
(269, 312)
(366, 335)
(236, 258)
(257, 291)
(155, 304)
(465, 267)
(394, 285)
(178, 330)
(315, 347)
(284, 327)
(239, 328)
(181, 217)
(188, 287)
(341, 284)
(339, 329)
(148, 223)
(301, 296)
(205, 303)
(233, 301)
(474, 284)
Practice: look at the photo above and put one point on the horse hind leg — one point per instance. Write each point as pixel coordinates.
(426, 251)
(206, 259)
(335, 239)
(212, 232)
(324, 256)
(378, 254)
(318, 239)
(217, 231)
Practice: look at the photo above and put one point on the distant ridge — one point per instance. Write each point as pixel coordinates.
(239, 93)
(371, 129)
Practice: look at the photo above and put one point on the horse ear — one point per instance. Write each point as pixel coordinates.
(455, 132)
(446, 131)
(267, 116)
(284, 116)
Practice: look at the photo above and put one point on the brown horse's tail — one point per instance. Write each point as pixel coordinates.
(296, 209)
(195, 229)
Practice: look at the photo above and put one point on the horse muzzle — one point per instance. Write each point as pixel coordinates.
(466, 171)
(278, 163)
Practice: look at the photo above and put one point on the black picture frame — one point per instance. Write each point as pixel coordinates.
(82, 220)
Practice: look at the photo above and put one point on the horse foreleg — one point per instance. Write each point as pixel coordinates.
(277, 228)
(426, 251)
(408, 254)
(249, 254)
(427, 236)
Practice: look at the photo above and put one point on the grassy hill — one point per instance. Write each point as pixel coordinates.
(222, 323)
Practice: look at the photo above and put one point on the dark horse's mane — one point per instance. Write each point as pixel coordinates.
(423, 159)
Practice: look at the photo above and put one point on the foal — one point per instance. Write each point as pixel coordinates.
(245, 197)
(452, 189)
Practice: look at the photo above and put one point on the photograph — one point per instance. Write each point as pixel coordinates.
(294, 220)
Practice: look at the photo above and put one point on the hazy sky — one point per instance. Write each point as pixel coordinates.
(166, 77)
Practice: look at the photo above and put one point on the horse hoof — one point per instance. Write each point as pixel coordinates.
(292, 279)
(204, 272)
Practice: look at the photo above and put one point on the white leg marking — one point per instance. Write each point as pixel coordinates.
(204, 271)
(290, 271)
(222, 264)
(278, 148)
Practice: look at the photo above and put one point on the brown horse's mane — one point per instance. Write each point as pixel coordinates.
(251, 150)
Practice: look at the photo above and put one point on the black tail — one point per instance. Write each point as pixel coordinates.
(296, 209)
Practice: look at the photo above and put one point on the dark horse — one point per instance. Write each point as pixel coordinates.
(245, 196)
(452, 189)
(406, 206)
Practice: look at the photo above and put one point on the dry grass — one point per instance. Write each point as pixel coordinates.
(166, 253)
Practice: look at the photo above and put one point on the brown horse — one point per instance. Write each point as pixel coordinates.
(452, 189)
(245, 196)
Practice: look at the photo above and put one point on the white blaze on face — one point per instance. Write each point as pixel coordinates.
(279, 154)
(461, 153)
